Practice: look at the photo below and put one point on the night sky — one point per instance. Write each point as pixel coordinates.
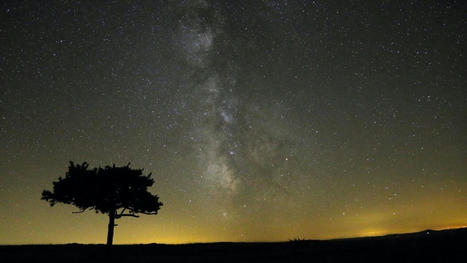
(260, 120)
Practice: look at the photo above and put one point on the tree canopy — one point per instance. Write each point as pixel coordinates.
(116, 191)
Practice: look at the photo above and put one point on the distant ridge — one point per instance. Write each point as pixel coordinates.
(425, 232)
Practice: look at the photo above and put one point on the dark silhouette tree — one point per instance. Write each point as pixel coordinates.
(115, 191)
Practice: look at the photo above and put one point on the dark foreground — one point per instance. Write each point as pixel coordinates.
(425, 246)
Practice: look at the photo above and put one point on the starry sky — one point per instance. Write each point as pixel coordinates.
(260, 120)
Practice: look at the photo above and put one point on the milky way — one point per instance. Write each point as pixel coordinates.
(243, 147)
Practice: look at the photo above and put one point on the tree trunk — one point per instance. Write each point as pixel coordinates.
(110, 232)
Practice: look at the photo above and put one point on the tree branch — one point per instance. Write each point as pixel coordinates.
(149, 213)
(81, 211)
(123, 211)
(132, 215)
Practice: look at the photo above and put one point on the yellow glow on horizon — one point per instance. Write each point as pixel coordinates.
(34, 222)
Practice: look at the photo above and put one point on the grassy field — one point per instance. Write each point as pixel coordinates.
(425, 246)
